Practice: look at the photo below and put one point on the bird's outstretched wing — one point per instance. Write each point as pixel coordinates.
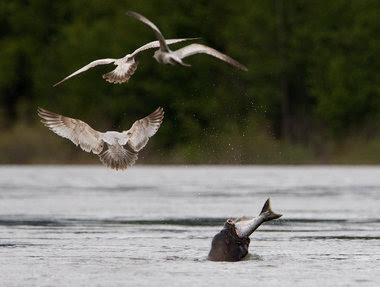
(156, 44)
(199, 48)
(85, 68)
(117, 157)
(163, 45)
(75, 130)
(143, 129)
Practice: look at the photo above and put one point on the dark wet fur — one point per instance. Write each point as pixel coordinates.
(227, 246)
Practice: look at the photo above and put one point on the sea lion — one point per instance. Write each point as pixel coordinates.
(232, 242)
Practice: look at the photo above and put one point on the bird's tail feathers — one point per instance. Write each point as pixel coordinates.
(119, 75)
(117, 157)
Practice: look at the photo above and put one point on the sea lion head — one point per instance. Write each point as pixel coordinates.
(227, 246)
(230, 225)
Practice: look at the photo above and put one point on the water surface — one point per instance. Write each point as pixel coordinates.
(153, 226)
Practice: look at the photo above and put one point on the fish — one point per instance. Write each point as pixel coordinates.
(245, 226)
(232, 242)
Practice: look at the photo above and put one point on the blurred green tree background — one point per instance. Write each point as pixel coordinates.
(311, 94)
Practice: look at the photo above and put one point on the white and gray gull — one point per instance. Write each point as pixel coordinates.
(90, 140)
(166, 56)
(125, 67)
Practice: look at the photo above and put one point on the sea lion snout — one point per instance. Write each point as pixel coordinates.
(229, 224)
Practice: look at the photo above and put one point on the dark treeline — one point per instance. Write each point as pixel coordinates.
(311, 94)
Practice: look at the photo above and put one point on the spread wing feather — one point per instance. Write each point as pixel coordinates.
(156, 44)
(199, 48)
(75, 130)
(85, 68)
(143, 129)
(163, 46)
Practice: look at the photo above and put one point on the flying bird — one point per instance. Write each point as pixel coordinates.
(90, 140)
(166, 56)
(125, 67)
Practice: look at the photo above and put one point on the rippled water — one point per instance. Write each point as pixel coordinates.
(153, 226)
